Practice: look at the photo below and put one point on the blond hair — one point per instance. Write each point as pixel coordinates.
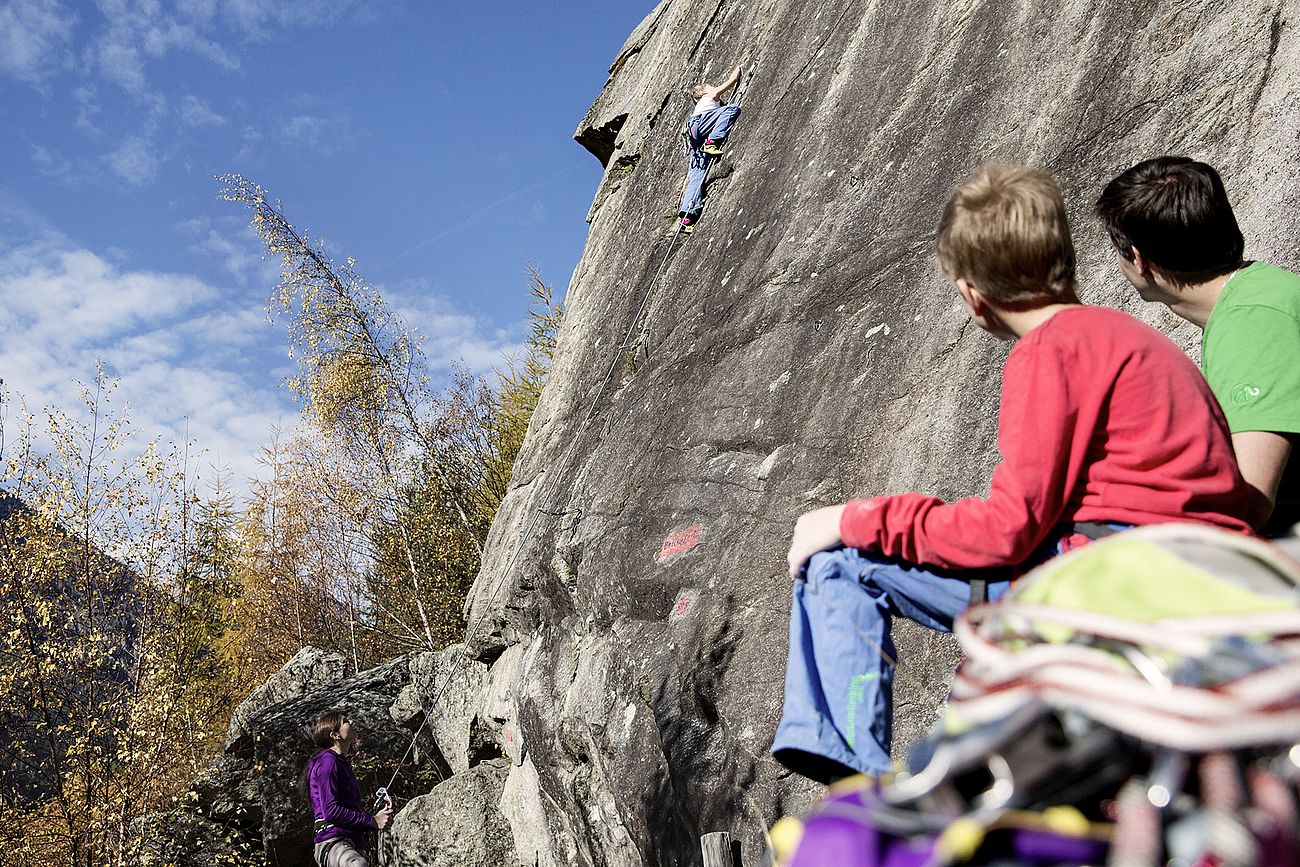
(1004, 229)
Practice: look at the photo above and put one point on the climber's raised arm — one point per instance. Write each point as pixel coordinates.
(731, 81)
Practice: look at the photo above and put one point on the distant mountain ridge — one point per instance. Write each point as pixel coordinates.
(25, 750)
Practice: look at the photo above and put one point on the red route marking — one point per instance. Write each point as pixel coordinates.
(680, 542)
(684, 604)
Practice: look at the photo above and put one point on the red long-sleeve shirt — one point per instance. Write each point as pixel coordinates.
(1103, 419)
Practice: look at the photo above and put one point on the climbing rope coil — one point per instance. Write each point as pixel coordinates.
(1135, 702)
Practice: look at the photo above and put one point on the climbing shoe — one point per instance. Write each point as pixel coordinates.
(712, 148)
(688, 225)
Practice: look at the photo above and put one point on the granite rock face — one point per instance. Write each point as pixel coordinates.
(310, 668)
(457, 824)
(801, 349)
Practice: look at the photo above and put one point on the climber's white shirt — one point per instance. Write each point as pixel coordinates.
(708, 103)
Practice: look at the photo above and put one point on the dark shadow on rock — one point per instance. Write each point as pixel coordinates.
(708, 774)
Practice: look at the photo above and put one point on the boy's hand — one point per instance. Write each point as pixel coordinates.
(814, 531)
(382, 817)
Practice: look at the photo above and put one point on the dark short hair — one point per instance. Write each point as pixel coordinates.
(1175, 210)
(327, 725)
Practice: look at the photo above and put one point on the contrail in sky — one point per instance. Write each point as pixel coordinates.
(480, 214)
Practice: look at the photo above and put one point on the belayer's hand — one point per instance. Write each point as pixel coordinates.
(382, 817)
(814, 531)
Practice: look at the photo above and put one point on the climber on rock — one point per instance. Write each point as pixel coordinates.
(340, 823)
(705, 132)
(1104, 423)
(1177, 242)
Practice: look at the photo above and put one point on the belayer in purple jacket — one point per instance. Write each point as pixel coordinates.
(336, 798)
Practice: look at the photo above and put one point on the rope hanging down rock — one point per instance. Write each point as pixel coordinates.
(545, 506)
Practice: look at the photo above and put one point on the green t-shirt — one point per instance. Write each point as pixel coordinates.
(1250, 352)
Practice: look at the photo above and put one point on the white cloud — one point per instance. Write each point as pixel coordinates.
(254, 15)
(315, 131)
(33, 37)
(233, 244)
(120, 62)
(143, 30)
(187, 352)
(135, 160)
(87, 109)
(140, 31)
(93, 299)
(195, 112)
(21, 224)
(451, 336)
(54, 166)
(191, 356)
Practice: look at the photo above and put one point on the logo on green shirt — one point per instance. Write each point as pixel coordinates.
(1244, 392)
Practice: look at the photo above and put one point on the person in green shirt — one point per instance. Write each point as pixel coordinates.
(1178, 243)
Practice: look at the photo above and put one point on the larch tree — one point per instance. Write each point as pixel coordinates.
(411, 476)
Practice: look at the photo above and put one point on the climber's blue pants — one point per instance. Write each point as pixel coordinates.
(713, 124)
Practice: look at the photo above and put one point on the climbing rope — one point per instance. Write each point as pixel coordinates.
(545, 506)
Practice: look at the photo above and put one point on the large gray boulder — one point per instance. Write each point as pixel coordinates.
(248, 806)
(802, 349)
(309, 669)
(457, 824)
(444, 701)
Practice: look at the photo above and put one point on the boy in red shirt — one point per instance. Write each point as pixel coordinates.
(1103, 423)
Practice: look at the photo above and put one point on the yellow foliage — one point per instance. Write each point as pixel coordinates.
(380, 508)
(111, 686)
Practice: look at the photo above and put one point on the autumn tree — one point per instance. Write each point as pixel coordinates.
(105, 704)
(409, 474)
(292, 564)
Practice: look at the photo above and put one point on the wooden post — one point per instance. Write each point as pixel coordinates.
(717, 849)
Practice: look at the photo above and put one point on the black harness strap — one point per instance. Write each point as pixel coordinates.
(979, 587)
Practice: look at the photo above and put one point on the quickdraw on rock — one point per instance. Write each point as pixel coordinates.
(1135, 702)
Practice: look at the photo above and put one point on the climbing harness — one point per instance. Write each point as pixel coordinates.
(323, 859)
(1135, 702)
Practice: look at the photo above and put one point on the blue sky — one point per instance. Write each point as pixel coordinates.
(430, 141)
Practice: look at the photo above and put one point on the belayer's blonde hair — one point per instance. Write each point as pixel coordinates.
(1004, 229)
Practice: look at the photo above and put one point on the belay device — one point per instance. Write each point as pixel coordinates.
(383, 800)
